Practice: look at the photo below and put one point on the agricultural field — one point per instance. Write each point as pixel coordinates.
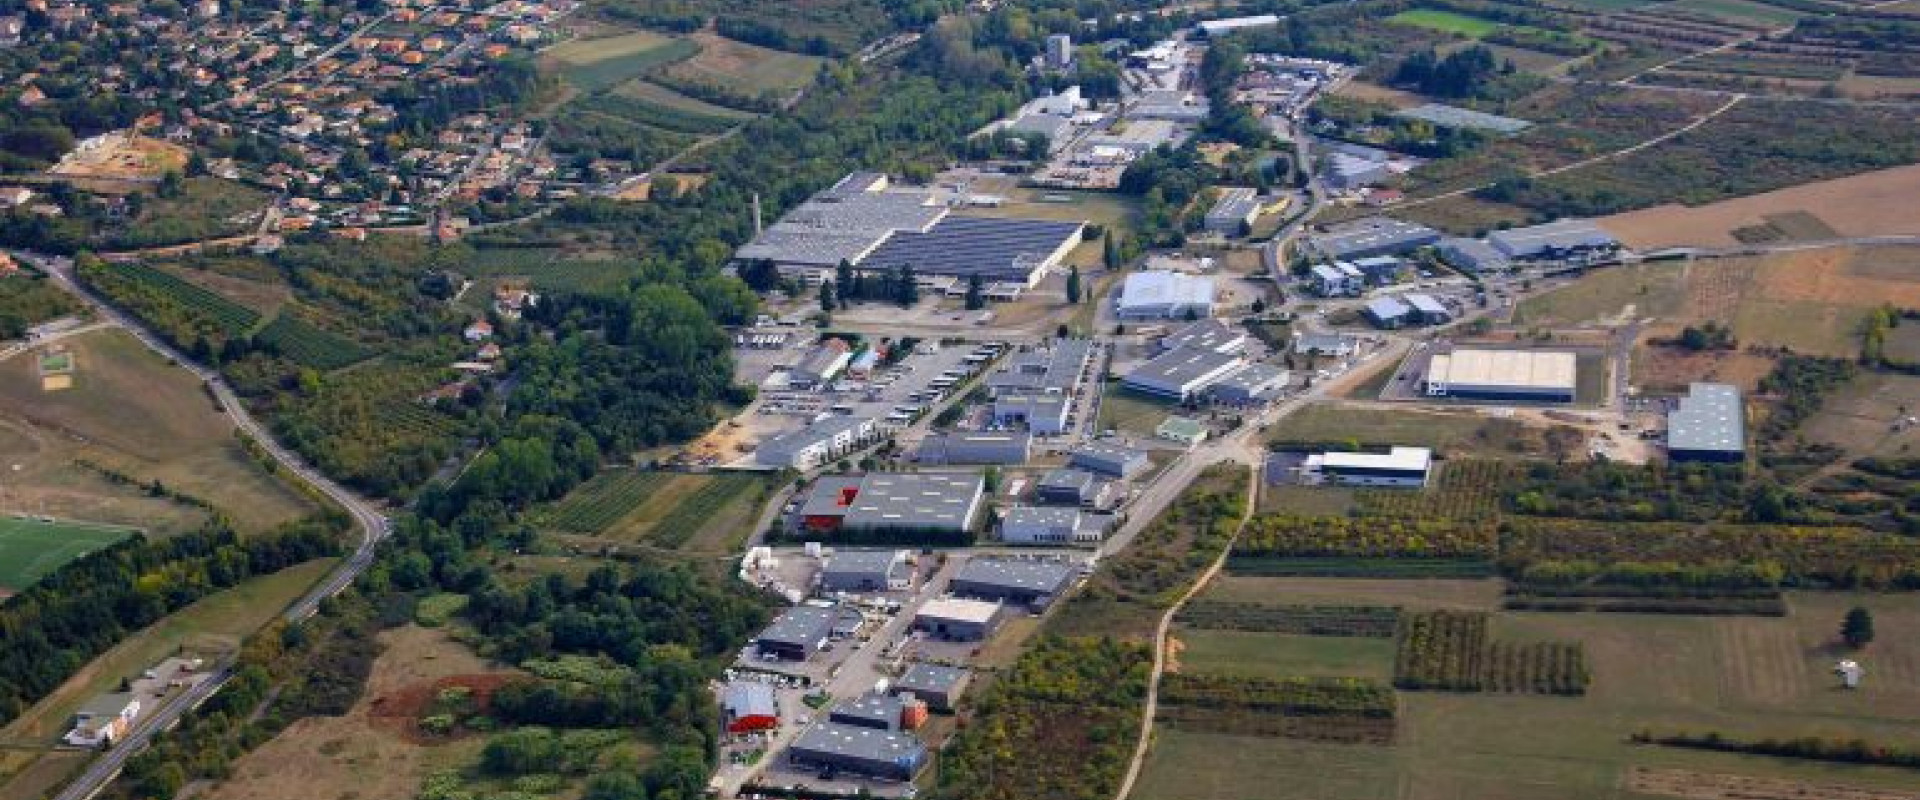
(747, 68)
(653, 94)
(592, 65)
(311, 345)
(675, 511)
(1868, 204)
(1256, 654)
(90, 452)
(30, 548)
(264, 294)
(1446, 22)
(550, 269)
(144, 287)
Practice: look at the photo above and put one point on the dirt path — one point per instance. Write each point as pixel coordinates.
(1160, 654)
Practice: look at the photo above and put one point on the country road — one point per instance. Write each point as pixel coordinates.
(373, 525)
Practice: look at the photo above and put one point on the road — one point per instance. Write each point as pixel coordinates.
(373, 526)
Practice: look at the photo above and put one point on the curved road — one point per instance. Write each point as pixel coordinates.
(374, 526)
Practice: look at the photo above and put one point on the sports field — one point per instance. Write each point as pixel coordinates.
(29, 548)
(1446, 22)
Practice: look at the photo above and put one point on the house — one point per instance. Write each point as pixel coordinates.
(1072, 487)
(867, 571)
(1111, 460)
(892, 755)
(479, 330)
(936, 685)
(1028, 581)
(749, 706)
(958, 620)
(104, 720)
(1184, 430)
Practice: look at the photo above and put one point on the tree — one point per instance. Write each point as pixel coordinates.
(906, 290)
(844, 283)
(828, 302)
(1857, 629)
(976, 294)
(1073, 284)
(1110, 252)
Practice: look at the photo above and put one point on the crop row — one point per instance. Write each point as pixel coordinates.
(1466, 489)
(1340, 730)
(1443, 651)
(1426, 568)
(1378, 537)
(141, 286)
(1371, 621)
(1537, 668)
(309, 345)
(699, 509)
(602, 501)
(1798, 556)
(1296, 697)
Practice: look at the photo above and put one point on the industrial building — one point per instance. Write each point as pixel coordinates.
(797, 633)
(932, 502)
(1169, 105)
(1401, 467)
(1111, 460)
(820, 365)
(892, 755)
(1471, 255)
(877, 711)
(1182, 430)
(1016, 251)
(816, 443)
(1255, 385)
(1710, 424)
(1427, 310)
(958, 620)
(749, 706)
(1058, 368)
(1014, 580)
(1338, 279)
(1447, 116)
(1072, 487)
(936, 685)
(1387, 313)
(1180, 375)
(1546, 376)
(1041, 414)
(1552, 240)
(1048, 525)
(1379, 270)
(1234, 213)
(1159, 294)
(1207, 334)
(1372, 236)
(1221, 27)
(1337, 345)
(976, 447)
(866, 571)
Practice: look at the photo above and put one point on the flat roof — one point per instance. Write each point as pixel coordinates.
(1373, 234)
(1104, 451)
(1710, 417)
(1165, 288)
(1055, 368)
(1183, 367)
(852, 562)
(801, 625)
(930, 677)
(1078, 480)
(749, 698)
(1388, 308)
(858, 742)
(1254, 378)
(820, 431)
(1405, 459)
(1211, 334)
(1456, 117)
(879, 707)
(912, 499)
(1054, 516)
(1528, 369)
(1563, 234)
(979, 612)
(990, 247)
(1025, 574)
(1180, 426)
(1425, 304)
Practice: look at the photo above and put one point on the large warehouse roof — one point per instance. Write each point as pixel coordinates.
(1520, 369)
(854, 741)
(993, 248)
(1400, 458)
(1371, 236)
(1162, 288)
(1710, 418)
(1044, 577)
(915, 500)
(1566, 234)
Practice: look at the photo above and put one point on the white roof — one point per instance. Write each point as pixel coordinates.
(1536, 369)
(1162, 288)
(955, 608)
(1399, 458)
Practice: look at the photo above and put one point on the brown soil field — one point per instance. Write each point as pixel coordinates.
(1869, 204)
(124, 157)
(1710, 786)
(356, 755)
(1672, 368)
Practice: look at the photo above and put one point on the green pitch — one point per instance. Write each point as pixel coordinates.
(29, 549)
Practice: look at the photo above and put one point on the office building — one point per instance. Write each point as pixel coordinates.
(1040, 414)
(816, 443)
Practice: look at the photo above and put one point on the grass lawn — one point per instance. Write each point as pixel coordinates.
(1591, 379)
(1132, 412)
(206, 207)
(1446, 22)
(29, 549)
(1309, 500)
(1258, 654)
(746, 68)
(1647, 290)
(1454, 434)
(595, 64)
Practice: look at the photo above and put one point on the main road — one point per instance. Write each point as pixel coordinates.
(373, 524)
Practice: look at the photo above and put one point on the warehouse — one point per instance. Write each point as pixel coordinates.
(1046, 525)
(1401, 467)
(1181, 374)
(1207, 334)
(932, 502)
(936, 685)
(1529, 375)
(1111, 460)
(1014, 580)
(1387, 313)
(1234, 213)
(749, 706)
(867, 571)
(1709, 425)
(1427, 310)
(1073, 487)
(1338, 279)
(1056, 369)
(1041, 414)
(1012, 250)
(1373, 236)
(1471, 255)
(1379, 270)
(972, 447)
(1337, 345)
(1159, 294)
(820, 365)
(1255, 385)
(1553, 240)
(1222, 27)
(845, 223)
(957, 620)
(815, 444)
(881, 754)
(797, 633)
(877, 711)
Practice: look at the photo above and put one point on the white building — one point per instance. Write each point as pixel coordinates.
(1165, 295)
(1400, 467)
(1182, 374)
(1044, 525)
(817, 443)
(1531, 375)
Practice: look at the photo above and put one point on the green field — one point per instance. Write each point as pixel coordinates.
(746, 68)
(1452, 434)
(1446, 22)
(29, 549)
(592, 65)
(1132, 412)
(1738, 11)
(1259, 654)
(670, 510)
(655, 94)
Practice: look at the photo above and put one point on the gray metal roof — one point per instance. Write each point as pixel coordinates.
(1181, 367)
(993, 248)
(1045, 516)
(824, 430)
(1711, 417)
(879, 708)
(1323, 343)
(1371, 236)
(923, 676)
(1102, 455)
(1209, 334)
(1424, 304)
(1029, 575)
(976, 447)
(1387, 308)
(1455, 117)
(915, 500)
(864, 562)
(865, 744)
(1234, 205)
(1077, 480)
(1566, 234)
(749, 698)
(1056, 369)
(801, 625)
(1255, 379)
(1472, 254)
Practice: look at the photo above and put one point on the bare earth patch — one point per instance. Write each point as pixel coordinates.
(1709, 786)
(1870, 204)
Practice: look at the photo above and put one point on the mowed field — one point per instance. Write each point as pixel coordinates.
(595, 64)
(29, 548)
(1869, 204)
(1752, 677)
(132, 413)
(1446, 22)
(745, 67)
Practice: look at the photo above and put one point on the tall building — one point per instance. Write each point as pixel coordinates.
(1059, 51)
